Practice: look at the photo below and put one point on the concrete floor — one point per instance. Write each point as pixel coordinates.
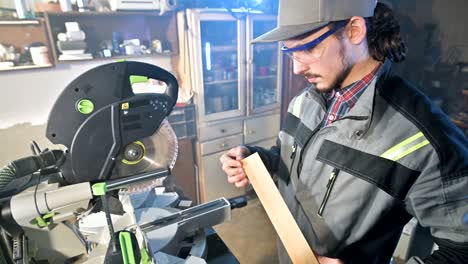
(250, 235)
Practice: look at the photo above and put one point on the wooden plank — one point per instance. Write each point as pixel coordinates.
(278, 212)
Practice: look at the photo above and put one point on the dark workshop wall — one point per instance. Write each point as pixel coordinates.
(437, 41)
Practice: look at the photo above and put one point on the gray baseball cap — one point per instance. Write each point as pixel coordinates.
(296, 17)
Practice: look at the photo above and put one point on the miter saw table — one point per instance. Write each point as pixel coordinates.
(107, 197)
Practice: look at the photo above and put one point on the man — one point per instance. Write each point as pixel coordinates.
(362, 151)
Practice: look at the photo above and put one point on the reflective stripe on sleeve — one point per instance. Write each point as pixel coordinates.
(406, 147)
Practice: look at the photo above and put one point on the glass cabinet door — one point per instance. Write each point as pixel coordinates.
(220, 71)
(219, 45)
(264, 77)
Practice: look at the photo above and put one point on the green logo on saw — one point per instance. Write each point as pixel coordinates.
(85, 106)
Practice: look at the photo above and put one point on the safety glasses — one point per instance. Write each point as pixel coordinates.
(313, 50)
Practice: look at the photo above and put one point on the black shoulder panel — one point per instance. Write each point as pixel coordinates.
(373, 169)
(449, 142)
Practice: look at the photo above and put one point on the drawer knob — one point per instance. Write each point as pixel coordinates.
(251, 131)
(223, 145)
(222, 130)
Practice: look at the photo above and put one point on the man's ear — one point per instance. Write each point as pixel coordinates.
(356, 30)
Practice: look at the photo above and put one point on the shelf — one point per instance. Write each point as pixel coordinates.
(120, 13)
(25, 67)
(224, 48)
(100, 27)
(22, 32)
(19, 22)
(74, 60)
(265, 77)
(221, 82)
(265, 46)
(155, 55)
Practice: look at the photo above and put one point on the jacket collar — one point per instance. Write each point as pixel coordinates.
(362, 112)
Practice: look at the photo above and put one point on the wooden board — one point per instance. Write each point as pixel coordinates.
(278, 212)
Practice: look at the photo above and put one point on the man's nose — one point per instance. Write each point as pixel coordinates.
(299, 67)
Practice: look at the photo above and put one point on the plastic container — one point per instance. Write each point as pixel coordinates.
(65, 5)
(40, 55)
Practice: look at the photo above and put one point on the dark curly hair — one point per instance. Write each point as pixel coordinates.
(383, 35)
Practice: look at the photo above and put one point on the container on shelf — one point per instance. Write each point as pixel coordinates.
(40, 55)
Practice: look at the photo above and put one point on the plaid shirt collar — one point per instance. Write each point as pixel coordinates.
(340, 102)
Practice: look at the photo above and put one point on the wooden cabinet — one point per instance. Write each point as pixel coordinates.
(236, 87)
(258, 128)
(218, 130)
(220, 144)
(102, 28)
(20, 34)
(150, 28)
(231, 77)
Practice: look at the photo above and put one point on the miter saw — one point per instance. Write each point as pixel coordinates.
(105, 198)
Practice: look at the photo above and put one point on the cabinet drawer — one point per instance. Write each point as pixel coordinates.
(260, 128)
(220, 144)
(220, 130)
(215, 179)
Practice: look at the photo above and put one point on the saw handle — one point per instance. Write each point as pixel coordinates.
(156, 73)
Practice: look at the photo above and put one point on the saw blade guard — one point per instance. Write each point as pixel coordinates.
(98, 115)
(97, 88)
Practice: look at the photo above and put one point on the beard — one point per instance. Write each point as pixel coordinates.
(337, 83)
(342, 74)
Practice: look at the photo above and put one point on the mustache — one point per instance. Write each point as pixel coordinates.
(312, 75)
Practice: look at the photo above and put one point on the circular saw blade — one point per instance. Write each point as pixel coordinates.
(158, 151)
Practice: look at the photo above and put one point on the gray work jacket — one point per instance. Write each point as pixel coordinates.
(354, 184)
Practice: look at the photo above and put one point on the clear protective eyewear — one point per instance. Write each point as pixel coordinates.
(313, 50)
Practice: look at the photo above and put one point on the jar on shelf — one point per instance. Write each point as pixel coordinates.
(40, 55)
(65, 5)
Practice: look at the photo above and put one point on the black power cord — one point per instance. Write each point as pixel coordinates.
(35, 148)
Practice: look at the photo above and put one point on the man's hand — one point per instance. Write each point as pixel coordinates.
(233, 167)
(325, 260)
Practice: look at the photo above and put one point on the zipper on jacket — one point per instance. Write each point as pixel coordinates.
(293, 157)
(294, 148)
(331, 182)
